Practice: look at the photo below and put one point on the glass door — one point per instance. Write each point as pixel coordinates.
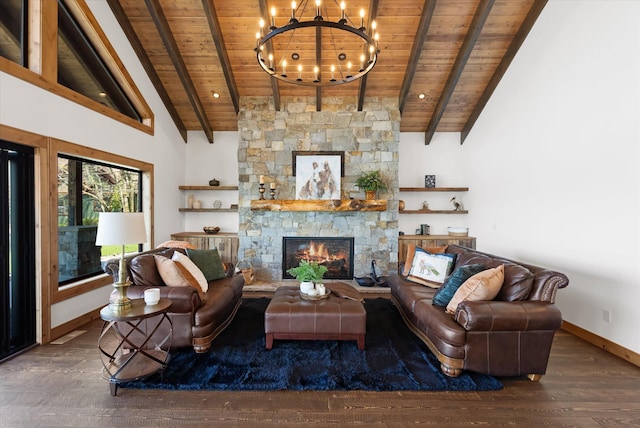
(17, 249)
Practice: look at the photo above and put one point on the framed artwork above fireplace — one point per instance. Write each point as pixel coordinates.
(336, 253)
(318, 174)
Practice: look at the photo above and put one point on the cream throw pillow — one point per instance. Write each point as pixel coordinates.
(175, 275)
(481, 286)
(194, 270)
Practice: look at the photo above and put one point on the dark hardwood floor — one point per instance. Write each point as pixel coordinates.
(61, 385)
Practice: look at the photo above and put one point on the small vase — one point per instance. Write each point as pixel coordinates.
(370, 194)
(197, 204)
(190, 200)
(306, 287)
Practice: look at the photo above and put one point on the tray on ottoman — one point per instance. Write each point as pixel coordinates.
(289, 317)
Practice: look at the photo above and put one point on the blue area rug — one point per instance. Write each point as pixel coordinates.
(394, 359)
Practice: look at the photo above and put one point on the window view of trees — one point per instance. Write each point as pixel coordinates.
(86, 188)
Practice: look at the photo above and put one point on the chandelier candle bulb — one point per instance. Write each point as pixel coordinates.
(299, 79)
(315, 73)
(273, 18)
(342, 7)
(318, 15)
(293, 11)
(362, 58)
(333, 71)
(284, 68)
(361, 19)
(349, 69)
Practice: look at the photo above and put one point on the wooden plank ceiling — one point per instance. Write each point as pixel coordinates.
(452, 51)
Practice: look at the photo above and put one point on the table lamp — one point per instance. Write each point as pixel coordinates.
(116, 228)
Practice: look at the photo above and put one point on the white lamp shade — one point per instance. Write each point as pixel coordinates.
(121, 229)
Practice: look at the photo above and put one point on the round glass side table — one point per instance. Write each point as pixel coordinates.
(135, 341)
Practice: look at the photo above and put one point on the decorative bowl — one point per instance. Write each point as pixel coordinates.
(211, 230)
(214, 182)
(305, 296)
(458, 231)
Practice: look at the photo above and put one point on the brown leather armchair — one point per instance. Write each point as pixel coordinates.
(196, 322)
(508, 336)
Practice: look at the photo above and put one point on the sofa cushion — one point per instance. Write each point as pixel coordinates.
(481, 286)
(175, 275)
(176, 244)
(188, 264)
(411, 252)
(209, 262)
(430, 269)
(518, 280)
(454, 281)
(144, 271)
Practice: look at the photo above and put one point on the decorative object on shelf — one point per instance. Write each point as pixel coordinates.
(318, 174)
(197, 204)
(211, 230)
(261, 190)
(118, 228)
(371, 182)
(234, 206)
(190, 200)
(245, 267)
(401, 205)
(424, 229)
(214, 182)
(217, 204)
(457, 206)
(429, 181)
(458, 231)
(418, 231)
(350, 53)
(425, 206)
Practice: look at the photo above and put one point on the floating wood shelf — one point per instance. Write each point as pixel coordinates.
(319, 205)
(208, 210)
(434, 189)
(208, 187)
(433, 212)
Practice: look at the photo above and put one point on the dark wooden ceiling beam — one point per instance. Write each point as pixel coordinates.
(275, 87)
(479, 19)
(124, 22)
(520, 36)
(218, 39)
(362, 89)
(173, 50)
(418, 43)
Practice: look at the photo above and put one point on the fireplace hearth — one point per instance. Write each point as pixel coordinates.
(334, 253)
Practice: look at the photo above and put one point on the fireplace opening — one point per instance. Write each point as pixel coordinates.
(334, 253)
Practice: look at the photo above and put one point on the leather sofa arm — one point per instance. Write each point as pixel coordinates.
(183, 299)
(508, 316)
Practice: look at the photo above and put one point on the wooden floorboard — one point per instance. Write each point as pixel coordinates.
(61, 385)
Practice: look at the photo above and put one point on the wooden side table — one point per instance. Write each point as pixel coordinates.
(142, 336)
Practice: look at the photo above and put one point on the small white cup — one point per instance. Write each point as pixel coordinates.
(306, 287)
(152, 296)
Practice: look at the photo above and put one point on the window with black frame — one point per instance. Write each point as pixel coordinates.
(86, 188)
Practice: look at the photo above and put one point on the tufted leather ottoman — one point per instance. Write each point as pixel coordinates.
(289, 317)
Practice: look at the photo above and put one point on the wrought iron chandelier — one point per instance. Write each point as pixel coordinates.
(317, 52)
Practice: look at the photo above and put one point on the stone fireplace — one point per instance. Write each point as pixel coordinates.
(369, 141)
(335, 253)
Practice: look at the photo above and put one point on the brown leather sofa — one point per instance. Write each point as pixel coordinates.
(195, 322)
(508, 336)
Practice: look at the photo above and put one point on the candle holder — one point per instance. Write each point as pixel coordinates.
(261, 190)
(272, 192)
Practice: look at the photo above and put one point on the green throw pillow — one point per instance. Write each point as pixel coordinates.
(445, 293)
(209, 263)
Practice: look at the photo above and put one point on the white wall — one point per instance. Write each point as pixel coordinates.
(553, 161)
(29, 108)
(205, 161)
(445, 158)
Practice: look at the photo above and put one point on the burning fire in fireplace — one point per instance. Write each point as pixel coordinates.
(334, 253)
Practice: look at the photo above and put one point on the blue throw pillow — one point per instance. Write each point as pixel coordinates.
(453, 282)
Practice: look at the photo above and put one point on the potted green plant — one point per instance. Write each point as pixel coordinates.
(371, 182)
(308, 273)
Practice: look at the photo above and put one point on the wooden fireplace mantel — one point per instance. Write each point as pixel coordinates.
(319, 205)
